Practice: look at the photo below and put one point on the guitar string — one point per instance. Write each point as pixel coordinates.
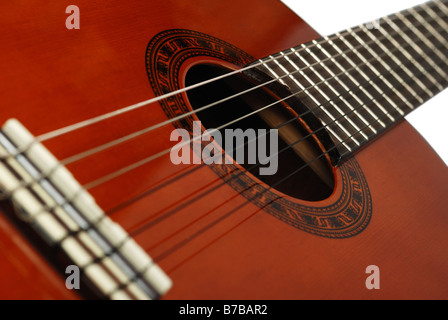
(167, 253)
(136, 134)
(83, 124)
(179, 245)
(366, 127)
(156, 219)
(278, 127)
(140, 195)
(147, 130)
(98, 182)
(147, 226)
(161, 257)
(82, 155)
(147, 160)
(95, 183)
(158, 258)
(174, 233)
(106, 116)
(66, 201)
(144, 131)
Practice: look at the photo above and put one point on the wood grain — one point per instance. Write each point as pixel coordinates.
(211, 241)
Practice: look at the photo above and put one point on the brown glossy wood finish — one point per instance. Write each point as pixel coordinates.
(52, 77)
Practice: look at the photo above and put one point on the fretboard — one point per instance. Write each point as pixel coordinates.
(361, 81)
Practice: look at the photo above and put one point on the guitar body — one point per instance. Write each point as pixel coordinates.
(214, 242)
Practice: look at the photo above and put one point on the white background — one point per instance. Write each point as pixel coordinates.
(330, 16)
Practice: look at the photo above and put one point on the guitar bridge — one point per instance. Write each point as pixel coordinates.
(47, 196)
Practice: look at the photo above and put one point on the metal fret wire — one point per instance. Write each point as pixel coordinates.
(113, 143)
(158, 219)
(161, 257)
(152, 128)
(191, 237)
(45, 175)
(354, 34)
(66, 201)
(325, 152)
(170, 251)
(179, 245)
(183, 116)
(91, 185)
(136, 134)
(94, 120)
(112, 114)
(162, 153)
(152, 158)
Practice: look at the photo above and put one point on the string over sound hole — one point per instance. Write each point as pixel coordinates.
(258, 109)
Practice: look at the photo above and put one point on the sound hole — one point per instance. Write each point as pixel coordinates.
(314, 182)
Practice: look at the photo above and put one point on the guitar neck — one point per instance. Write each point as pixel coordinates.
(361, 81)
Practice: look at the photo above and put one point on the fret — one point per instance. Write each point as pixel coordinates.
(336, 93)
(334, 76)
(408, 69)
(347, 154)
(287, 77)
(419, 17)
(441, 5)
(419, 51)
(335, 127)
(361, 81)
(335, 81)
(326, 97)
(369, 95)
(434, 15)
(378, 74)
(292, 73)
(270, 67)
(404, 80)
(272, 71)
(355, 83)
(388, 69)
(339, 141)
(341, 88)
(321, 78)
(429, 45)
(345, 58)
(429, 10)
(383, 68)
(436, 50)
(376, 85)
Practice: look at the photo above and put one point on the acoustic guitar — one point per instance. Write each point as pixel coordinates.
(328, 193)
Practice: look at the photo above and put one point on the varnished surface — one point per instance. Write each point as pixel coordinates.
(52, 77)
(24, 273)
(406, 238)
